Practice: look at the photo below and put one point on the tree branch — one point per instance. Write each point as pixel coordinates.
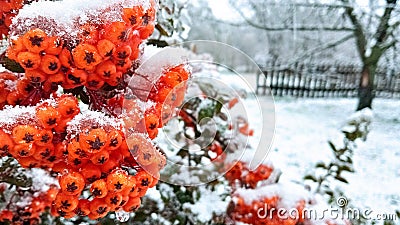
(321, 48)
(381, 33)
(289, 27)
(388, 45)
(358, 30)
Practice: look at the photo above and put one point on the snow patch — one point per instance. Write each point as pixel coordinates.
(63, 18)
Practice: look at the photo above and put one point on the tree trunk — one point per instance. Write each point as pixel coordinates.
(366, 91)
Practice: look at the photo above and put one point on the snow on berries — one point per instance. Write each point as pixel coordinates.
(87, 50)
(78, 51)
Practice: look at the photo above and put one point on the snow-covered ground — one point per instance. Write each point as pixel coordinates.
(303, 127)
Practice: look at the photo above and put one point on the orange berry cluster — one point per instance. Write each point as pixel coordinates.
(264, 211)
(102, 55)
(36, 144)
(167, 94)
(7, 89)
(116, 191)
(30, 214)
(18, 89)
(94, 162)
(8, 9)
(90, 155)
(170, 88)
(240, 173)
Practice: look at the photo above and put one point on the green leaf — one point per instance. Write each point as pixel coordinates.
(333, 147)
(329, 192)
(207, 88)
(320, 165)
(310, 177)
(341, 179)
(346, 168)
(349, 160)
(12, 66)
(205, 113)
(218, 107)
(162, 31)
(158, 43)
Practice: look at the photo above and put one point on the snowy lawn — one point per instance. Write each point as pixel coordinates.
(303, 127)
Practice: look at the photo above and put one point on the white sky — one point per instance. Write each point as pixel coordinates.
(222, 10)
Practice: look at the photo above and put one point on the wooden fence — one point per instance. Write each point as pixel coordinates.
(323, 80)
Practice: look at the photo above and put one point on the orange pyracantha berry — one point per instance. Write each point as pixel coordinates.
(99, 208)
(83, 208)
(35, 40)
(29, 60)
(72, 183)
(53, 81)
(91, 173)
(94, 82)
(164, 95)
(65, 58)
(106, 69)
(24, 86)
(6, 143)
(183, 73)
(117, 32)
(113, 200)
(99, 188)
(100, 158)
(132, 205)
(109, 166)
(143, 180)
(146, 31)
(43, 152)
(54, 45)
(105, 48)
(26, 162)
(171, 79)
(15, 98)
(130, 186)
(123, 52)
(89, 34)
(115, 79)
(77, 77)
(152, 122)
(45, 138)
(94, 140)
(133, 16)
(68, 106)
(35, 76)
(136, 143)
(123, 64)
(86, 56)
(76, 162)
(50, 64)
(75, 150)
(146, 156)
(48, 116)
(115, 139)
(25, 134)
(16, 46)
(117, 180)
(65, 203)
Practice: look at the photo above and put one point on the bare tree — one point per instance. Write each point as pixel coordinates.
(372, 26)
